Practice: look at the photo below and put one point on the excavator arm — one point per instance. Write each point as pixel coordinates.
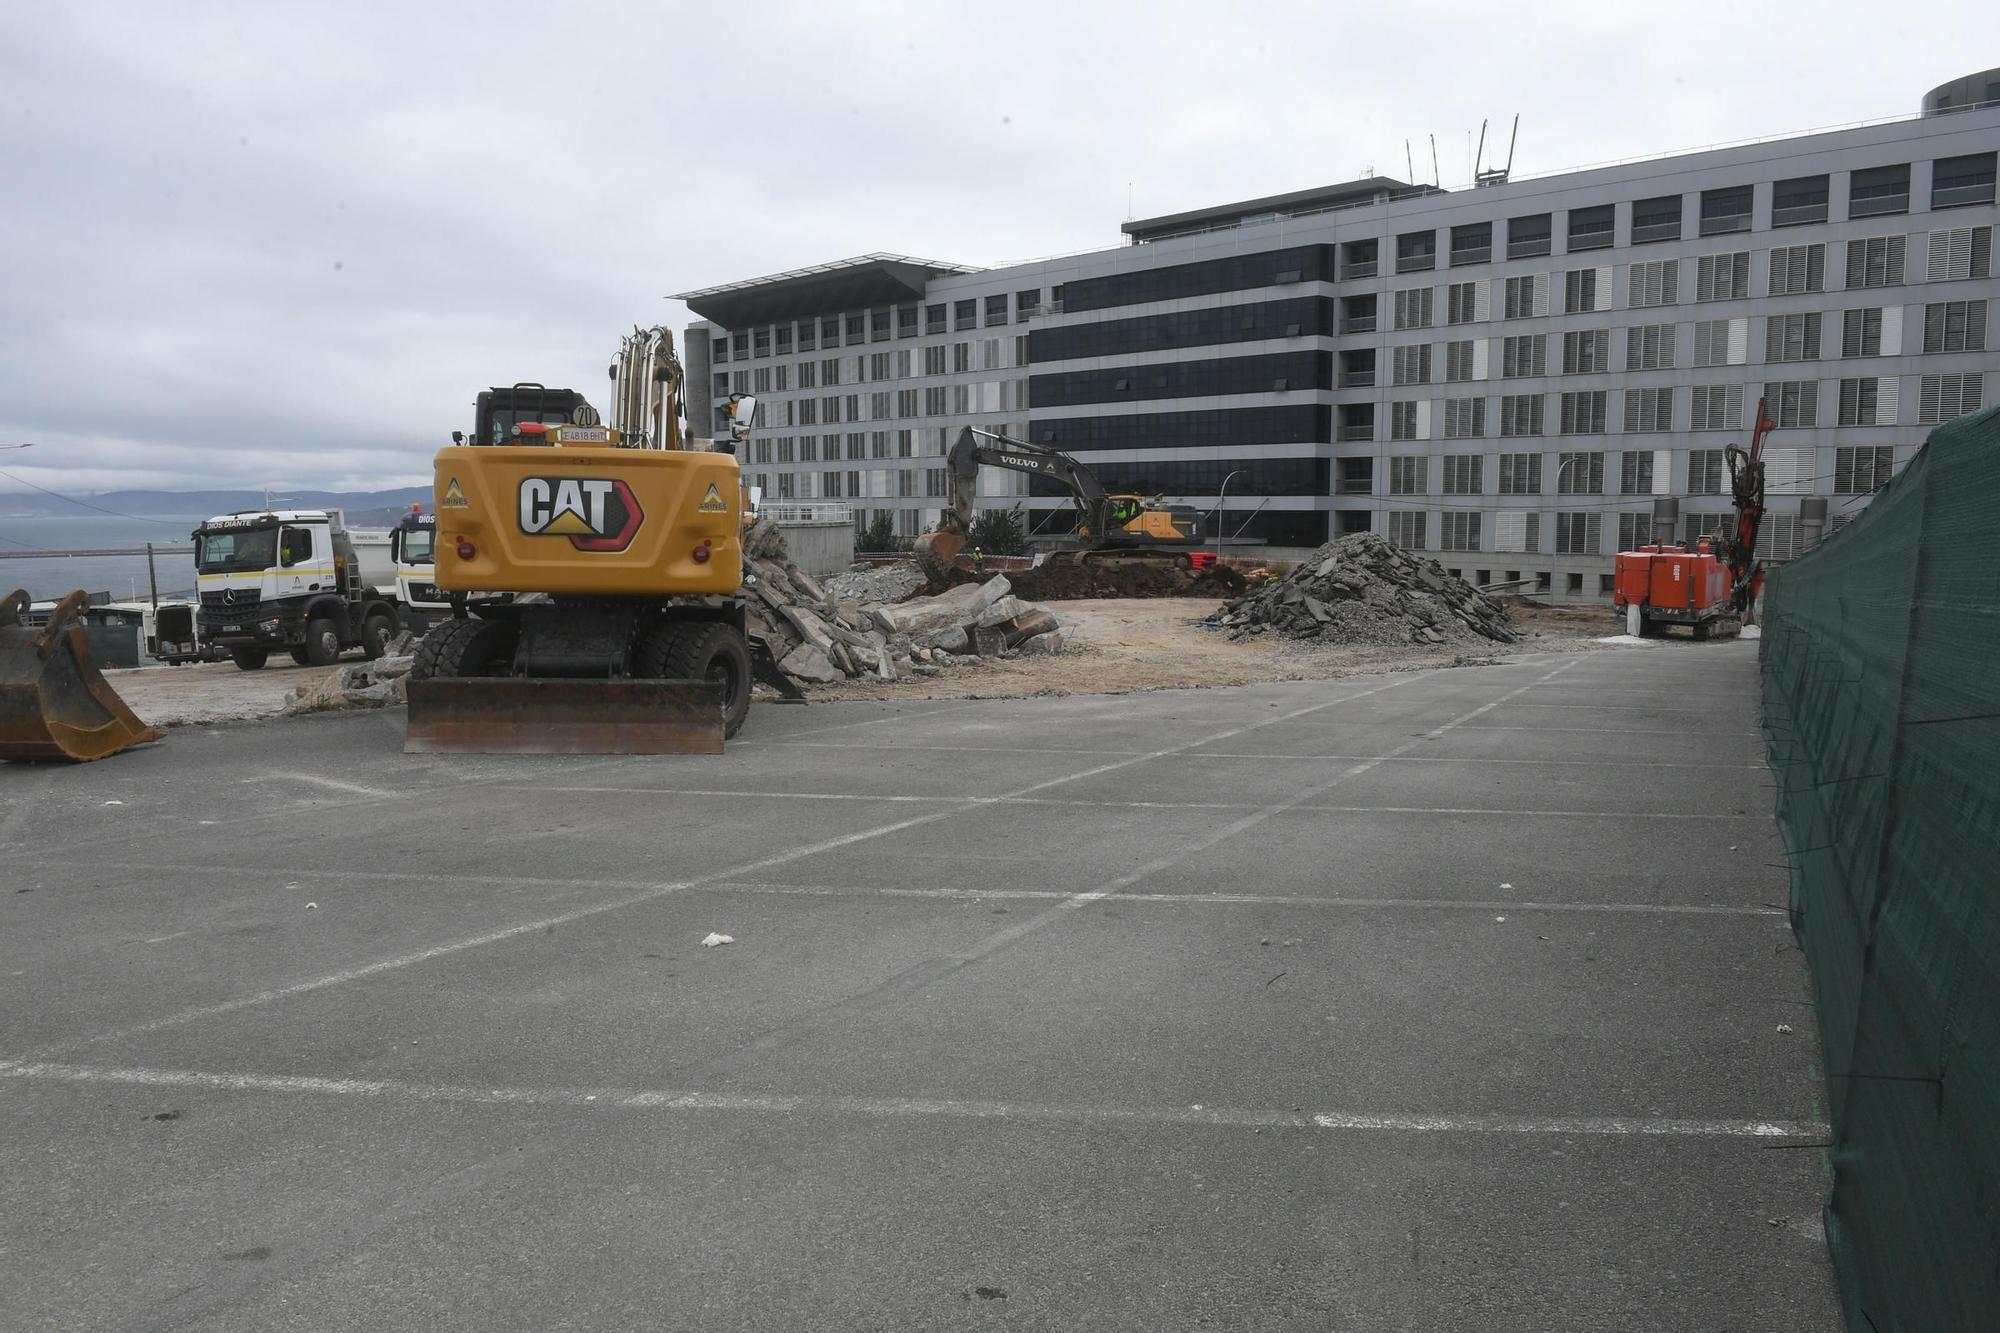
(936, 550)
(1746, 487)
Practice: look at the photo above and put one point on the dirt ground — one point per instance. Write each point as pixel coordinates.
(212, 691)
(1114, 646)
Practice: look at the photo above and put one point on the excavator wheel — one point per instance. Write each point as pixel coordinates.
(54, 703)
(700, 650)
(460, 648)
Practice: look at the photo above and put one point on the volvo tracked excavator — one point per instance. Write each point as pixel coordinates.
(623, 546)
(1123, 527)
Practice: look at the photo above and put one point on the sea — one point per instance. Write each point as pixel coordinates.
(125, 577)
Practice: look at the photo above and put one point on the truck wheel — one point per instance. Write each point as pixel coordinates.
(700, 650)
(465, 648)
(249, 659)
(376, 631)
(300, 655)
(322, 642)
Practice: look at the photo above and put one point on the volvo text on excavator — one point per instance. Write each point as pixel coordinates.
(622, 545)
(1122, 526)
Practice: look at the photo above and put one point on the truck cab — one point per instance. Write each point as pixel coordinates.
(289, 580)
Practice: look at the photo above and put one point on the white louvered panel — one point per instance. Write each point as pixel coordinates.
(989, 397)
(1739, 342)
(1482, 300)
(1663, 472)
(1788, 471)
(1510, 530)
(881, 483)
(1541, 306)
(1481, 351)
(1892, 330)
(1601, 295)
(1951, 254)
(1424, 419)
(1888, 392)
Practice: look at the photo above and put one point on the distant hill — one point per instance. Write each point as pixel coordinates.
(363, 508)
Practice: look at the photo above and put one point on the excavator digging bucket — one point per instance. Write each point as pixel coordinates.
(541, 715)
(937, 552)
(54, 703)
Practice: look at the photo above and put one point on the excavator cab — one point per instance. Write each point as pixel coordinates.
(54, 703)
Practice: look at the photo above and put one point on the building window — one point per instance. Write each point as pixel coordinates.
(1473, 242)
(1357, 314)
(1861, 332)
(1464, 474)
(1961, 252)
(1403, 421)
(808, 375)
(934, 401)
(1583, 413)
(1706, 472)
(1862, 469)
(1357, 422)
(1528, 237)
(1717, 407)
(879, 408)
(718, 353)
(1958, 181)
(1407, 474)
(1724, 210)
(1649, 346)
(1591, 228)
(936, 482)
(905, 445)
(857, 446)
(1875, 261)
(1413, 308)
(808, 450)
(1634, 531)
(934, 318)
(1579, 533)
(1406, 528)
(1799, 201)
(761, 379)
(1464, 418)
(1655, 283)
(1416, 251)
(1580, 474)
(1027, 304)
(808, 335)
(996, 310)
(1458, 362)
(1526, 296)
(1521, 414)
(1721, 342)
(1580, 291)
(1798, 268)
(1656, 219)
(1461, 303)
(1520, 474)
(965, 314)
(1724, 277)
(1942, 397)
(1792, 337)
(1955, 326)
(1877, 191)
(906, 321)
(1792, 403)
(1635, 473)
(934, 359)
(857, 329)
(906, 402)
(1411, 365)
(1586, 351)
(1524, 357)
(1357, 259)
(1864, 403)
(781, 378)
(1458, 530)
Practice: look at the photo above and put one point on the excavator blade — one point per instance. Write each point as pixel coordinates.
(54, 703)
(937, 552)
(543, 715)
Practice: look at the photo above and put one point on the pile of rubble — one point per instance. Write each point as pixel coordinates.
(1362, 589)
(868, 624)
(374, 684)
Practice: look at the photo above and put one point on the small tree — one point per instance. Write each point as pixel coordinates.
(1000, 532)
(881, 536)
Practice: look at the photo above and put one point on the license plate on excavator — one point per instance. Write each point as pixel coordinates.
(526, 715)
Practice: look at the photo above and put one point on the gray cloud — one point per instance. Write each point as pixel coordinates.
(286, 244)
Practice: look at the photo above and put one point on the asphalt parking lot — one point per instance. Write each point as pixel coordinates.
(1434, 1001)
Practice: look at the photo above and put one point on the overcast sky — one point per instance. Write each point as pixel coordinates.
(285, 244)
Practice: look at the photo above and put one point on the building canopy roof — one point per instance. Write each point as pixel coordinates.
(847, 284)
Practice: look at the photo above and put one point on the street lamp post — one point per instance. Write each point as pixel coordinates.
(1554, 541)
(1222, 498)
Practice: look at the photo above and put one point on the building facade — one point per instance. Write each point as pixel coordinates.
(1506, 377)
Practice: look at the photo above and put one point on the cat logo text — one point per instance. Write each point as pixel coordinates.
(595, 513)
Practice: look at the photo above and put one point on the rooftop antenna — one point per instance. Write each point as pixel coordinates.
(1410, 161)
(1436, 179)
(1500, 175)
(1480, 155)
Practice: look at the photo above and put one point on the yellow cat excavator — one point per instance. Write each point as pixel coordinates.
(623, 546)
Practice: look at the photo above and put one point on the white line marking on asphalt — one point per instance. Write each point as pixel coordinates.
(609, 1098)
(505, 933)
(162, 939)
(1279, 758)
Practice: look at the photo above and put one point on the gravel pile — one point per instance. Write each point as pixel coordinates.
(1361, 589)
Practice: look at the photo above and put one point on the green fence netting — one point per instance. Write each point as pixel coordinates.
(1881, 678)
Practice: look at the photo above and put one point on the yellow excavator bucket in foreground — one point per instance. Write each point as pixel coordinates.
(552, 715)
(54, 703)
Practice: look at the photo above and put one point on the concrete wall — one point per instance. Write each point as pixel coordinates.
(820, 548)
